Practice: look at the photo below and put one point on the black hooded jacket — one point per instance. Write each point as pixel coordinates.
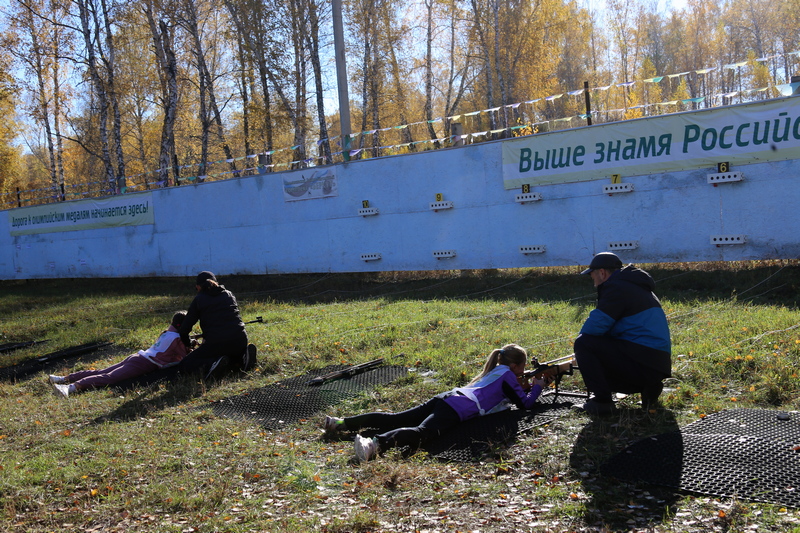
(218, 313)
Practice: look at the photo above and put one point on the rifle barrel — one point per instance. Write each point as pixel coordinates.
(349, 371)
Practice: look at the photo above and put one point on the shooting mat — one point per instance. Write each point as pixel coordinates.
(750, 454)
(278, 405)
(283, 403)
(37, 364)
(472, 439)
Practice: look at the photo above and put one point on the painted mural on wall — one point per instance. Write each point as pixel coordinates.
(743, 134)
(133, 210)
(314, 183)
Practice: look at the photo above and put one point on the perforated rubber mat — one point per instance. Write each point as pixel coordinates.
(751, 454)
(472, 439)
(44, 362)
(288, 401)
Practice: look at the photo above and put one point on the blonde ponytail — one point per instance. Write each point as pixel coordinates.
(507, 355)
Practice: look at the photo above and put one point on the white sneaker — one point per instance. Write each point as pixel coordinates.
(56, 379)
(61, 389)
(333, 425)
(366, 449)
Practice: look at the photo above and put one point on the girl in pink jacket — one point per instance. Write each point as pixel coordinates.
(168, 350)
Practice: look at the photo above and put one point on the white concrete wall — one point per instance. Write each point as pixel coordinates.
(244, 226)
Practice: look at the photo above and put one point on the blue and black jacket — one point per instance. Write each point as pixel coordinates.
(627, 309)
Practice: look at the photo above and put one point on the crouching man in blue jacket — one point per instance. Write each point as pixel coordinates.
(624, 345)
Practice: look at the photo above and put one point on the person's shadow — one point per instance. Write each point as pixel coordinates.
(630, 466)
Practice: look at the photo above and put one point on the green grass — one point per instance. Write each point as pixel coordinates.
(158, 459)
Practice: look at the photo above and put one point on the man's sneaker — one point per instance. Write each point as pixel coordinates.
(333, 425)
(366, 449)
(593, 407)
(249, 358)
(61, 389)
(217, 368)
(56, 379)
(650, 395)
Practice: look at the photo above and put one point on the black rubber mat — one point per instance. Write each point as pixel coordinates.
(44, 362)
(471, 440)
(750, 454)
(288, 401)
(11, 346)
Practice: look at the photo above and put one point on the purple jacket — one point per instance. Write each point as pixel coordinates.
(493, 392)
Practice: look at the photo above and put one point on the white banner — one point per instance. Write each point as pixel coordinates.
(314, 183)
(747, 133)
(131, 210)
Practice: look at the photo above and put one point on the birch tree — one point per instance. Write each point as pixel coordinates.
(39, 45)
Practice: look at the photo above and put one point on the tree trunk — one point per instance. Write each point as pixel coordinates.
(89, 31)
(168, 78)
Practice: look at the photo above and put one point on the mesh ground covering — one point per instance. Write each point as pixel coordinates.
(472, 439)
(45, 362)
(288, 401)
(275, 406)
(11, 346)
(751, 454)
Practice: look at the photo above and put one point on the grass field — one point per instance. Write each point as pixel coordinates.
(158, 459)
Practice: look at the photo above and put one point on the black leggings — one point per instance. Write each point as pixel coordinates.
(408, 428)
(615, 365)
(201, 358)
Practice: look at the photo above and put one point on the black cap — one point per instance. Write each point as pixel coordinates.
(605, 260)
(203, 276)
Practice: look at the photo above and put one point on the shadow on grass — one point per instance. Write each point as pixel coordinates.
(614, 504)
(156, 397)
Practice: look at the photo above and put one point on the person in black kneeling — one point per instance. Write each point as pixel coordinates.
(224, 345)
(624, 345)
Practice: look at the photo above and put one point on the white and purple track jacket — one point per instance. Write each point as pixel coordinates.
(494, 392)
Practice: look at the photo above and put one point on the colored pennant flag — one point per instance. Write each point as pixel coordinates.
(787, 89)
(732, 66)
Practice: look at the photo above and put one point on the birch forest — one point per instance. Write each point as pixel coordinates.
(101, 97)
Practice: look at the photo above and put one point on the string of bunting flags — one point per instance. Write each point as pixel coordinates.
(139, 181)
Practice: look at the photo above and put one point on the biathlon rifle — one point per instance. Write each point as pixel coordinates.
(345, 372)
(550, 368)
